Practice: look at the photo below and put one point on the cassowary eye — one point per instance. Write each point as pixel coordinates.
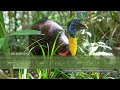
(73, 25)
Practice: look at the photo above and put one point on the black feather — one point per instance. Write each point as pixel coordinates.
(51, 30)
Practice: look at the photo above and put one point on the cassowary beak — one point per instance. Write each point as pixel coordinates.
(81, 26)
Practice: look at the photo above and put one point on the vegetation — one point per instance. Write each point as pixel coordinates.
(102, 37)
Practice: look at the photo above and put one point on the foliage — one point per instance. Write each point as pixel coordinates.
(102, 35)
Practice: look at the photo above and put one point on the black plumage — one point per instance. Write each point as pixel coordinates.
(50, 29)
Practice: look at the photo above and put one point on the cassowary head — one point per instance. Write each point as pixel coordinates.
(74, 25)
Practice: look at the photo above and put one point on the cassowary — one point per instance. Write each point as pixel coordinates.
(51, 30)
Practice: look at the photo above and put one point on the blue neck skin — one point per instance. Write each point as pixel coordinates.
(71, 32)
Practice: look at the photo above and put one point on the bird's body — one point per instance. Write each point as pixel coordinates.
(51, 29)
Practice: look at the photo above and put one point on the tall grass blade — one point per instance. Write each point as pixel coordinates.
(25, 74)
(2, 25)
(53, 48)
(1, 42)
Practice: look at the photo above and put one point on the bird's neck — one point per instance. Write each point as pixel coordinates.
(71, 32)
(73, 45)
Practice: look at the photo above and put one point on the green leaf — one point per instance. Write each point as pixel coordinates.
(6, 48)
(2, 25)
(1, 42)
(27, 32)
